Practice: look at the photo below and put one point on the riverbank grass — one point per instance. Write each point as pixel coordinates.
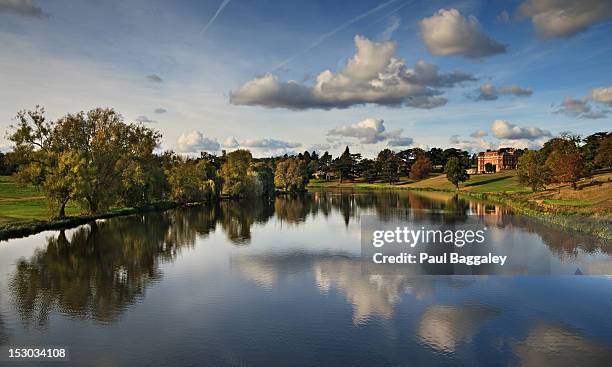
(25, 203)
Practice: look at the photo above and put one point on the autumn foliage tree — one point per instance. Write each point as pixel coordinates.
(421, 168)
(565, 160)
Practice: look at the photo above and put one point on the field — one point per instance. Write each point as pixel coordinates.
(24, 203)
(496, 182)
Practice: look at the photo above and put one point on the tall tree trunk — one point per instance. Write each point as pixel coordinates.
(62, 210)
(93, 205)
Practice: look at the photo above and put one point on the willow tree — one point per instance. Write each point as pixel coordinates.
(234, 173)
(42, 161)
(291, 175)
(89, 157)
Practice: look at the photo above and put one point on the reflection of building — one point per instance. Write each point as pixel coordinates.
(491, 214)
(502, 159)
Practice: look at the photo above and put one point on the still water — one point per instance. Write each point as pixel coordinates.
(281, 283)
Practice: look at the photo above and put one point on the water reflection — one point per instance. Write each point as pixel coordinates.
(444, 327)
(99, 270)
(370, 295)
(237, 218)
(287, 275)
(554, 345)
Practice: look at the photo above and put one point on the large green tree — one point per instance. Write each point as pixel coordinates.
(234, 173)
(389, 165)
(346, 164)
(370, 170)
(603, 157)
(325, 164)
(42, 161)
(456, 171)
(115, 156)
(193, 181)
(291, 175)
(532, 171)
(90, 157)
(261, 179)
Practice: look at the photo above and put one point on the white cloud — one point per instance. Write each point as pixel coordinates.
(479, 134)
(393, 25)
(564, 18)
(583, 107)
(489, 92)
(270, 144)
(471, 145)
(447, 32)
(602, 95)
(230, 143)
(373, 75)
(580, 108)
(502, 129)
(144, 119)
(160, 110)
(522, 143)
(25, 8)
(371, 131)
(194, 141)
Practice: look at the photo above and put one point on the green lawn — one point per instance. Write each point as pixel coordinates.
(23, 203)
(495, 182)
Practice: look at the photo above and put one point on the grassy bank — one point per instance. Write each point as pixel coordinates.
(24, 211)
(24, 203)
(587, 210)
(27, 227)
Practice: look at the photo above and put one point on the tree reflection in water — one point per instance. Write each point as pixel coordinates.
(97, 271)
(100, 270)
(237, 218)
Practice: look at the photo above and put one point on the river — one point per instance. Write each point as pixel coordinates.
(266, 283)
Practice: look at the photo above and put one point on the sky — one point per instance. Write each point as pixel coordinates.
(282, 77)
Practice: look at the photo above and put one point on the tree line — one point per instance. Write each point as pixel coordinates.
(565, 159)
(98, 161)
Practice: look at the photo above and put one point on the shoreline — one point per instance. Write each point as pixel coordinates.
(595, 226)
(20, 229)
(587, 224)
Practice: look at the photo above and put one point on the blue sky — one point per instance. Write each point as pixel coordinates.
(502, 68)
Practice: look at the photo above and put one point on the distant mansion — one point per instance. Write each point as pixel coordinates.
(502, 159)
